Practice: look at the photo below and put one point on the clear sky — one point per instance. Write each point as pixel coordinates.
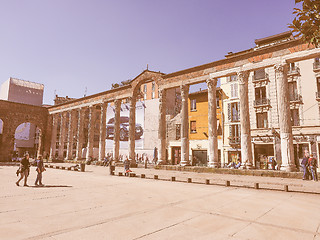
(71, 45)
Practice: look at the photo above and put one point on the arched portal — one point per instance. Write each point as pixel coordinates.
(27, 138)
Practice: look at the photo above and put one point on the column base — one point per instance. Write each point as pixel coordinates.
(213, 165)
(161, 162)
(133, 164)
(184, 164)
(289, 168)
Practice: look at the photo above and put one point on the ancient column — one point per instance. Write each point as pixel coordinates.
(102, 136)
(212, 124)
(246, 148)
(62, 135)
(116, 133)
(80, 134)
(184, 125)
(70, 135)
(54, 136)
(39, 150)
(132, 131)
(287, 154)
(162, 126)
(90, 132)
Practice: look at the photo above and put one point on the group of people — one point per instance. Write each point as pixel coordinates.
(309, 165)
(24, 170)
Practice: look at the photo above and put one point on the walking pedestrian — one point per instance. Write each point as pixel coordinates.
(40, 169)
(126, 165)
(304, 165)
(313, 167)
(24, 170)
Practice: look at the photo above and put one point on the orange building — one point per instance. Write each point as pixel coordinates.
(198, 126)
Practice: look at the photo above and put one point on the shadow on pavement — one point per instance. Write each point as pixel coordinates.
(50, 186)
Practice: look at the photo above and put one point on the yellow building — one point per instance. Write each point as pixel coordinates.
(198, 126)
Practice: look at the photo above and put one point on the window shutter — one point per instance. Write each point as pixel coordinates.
(236, 90)
(232, 93)
(239, 111)
(229, 111)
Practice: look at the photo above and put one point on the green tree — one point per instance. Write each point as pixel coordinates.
(306, 23)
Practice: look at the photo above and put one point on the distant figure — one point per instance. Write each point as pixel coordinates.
(24, 170)
(304, 165)
(313, 167)
(155, 155)
(238, 165)
(40, 169)
(126, 165)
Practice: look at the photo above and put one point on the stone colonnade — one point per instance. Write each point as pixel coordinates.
(71, 131)
(76, 120)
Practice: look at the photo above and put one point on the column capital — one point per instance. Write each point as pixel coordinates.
(117, 102)
(280, 67)
(211, 82)
(243, 77)
(162, 94)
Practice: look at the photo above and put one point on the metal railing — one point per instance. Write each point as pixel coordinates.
(294, 70)
(234, 140)
(295, 97)
(261, 102)
(318, 95)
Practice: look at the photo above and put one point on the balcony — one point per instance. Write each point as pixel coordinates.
(261, 102)
(295, 98)
(260, 77)
(234, 140)
(293, 71)
(316, 66)
(318, 96)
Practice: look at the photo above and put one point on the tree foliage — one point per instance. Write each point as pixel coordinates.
(306, 23)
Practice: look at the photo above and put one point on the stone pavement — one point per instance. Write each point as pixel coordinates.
(95, 205)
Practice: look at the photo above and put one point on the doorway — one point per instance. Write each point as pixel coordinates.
(176, 155)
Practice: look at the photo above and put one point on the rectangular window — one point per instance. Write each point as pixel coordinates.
(295, 120)
(234, 90)
(235, 114)
(193, 105)
(153, 95)
(193, 127)
(318, 86)
(145, 91)
(218, 98)
(260, 93)
(262, 120)
(178, 131)
(293, 92)
(235, 131)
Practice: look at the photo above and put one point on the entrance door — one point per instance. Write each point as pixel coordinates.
(176, 155)
(199, 157)
(262, 152)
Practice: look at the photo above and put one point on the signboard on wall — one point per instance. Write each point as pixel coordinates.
(124, 126)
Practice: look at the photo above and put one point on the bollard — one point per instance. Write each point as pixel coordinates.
(112, 173)
(75, 169)
(143, 176)
(227, 183)
(189, 180)
(173, 179)
(46, 165)
(155, 177)
(57, 167)
(51, 166)
(132, 174)
(120, 174)
(63, 168)
(207, 181)
(69, 168)
(83, 167)
(256, 185)
(286, 188)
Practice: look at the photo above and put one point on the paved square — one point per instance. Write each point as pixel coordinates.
(95, 205)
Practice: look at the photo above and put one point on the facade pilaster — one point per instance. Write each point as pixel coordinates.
(102, 137)
(162, 126)
(212, 124)
(116, 134)
(90, 132)
(132, 131)
(287, 154)
(80, 134)
(55, 118)
(62, 135)
(184, 125)
(246, 148)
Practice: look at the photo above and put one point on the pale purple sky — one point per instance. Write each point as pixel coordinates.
(69, 45)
